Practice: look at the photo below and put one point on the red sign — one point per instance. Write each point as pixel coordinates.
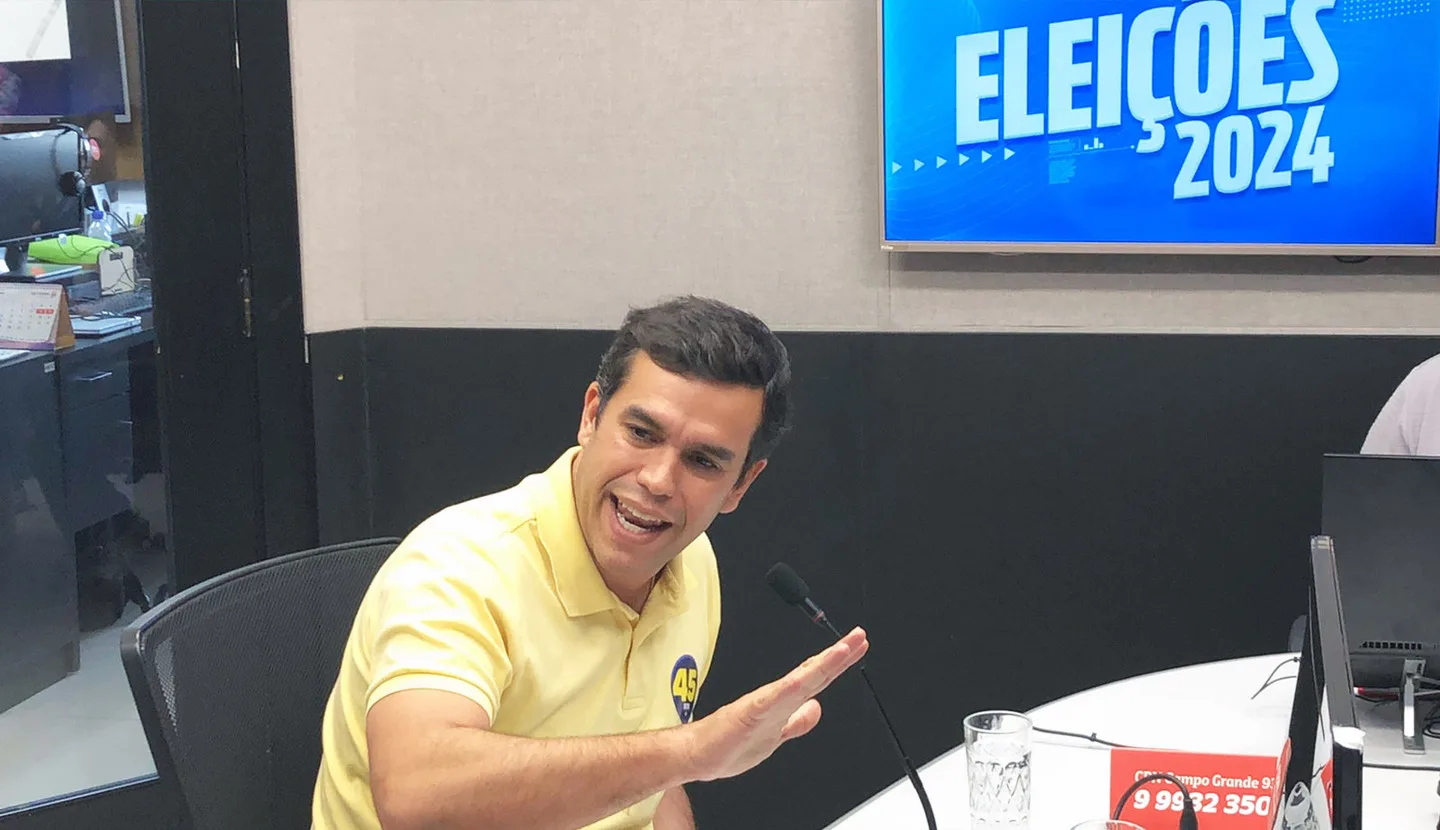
(1230, 792)
(1327, 777)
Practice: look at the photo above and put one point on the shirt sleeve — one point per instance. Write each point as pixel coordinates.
(438, 627)
(712, 600)
(1387, 433)
(1408, 423)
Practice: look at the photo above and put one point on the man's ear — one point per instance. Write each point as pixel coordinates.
(589, 414)
(737, 493)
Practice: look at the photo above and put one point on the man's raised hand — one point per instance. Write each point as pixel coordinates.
(742, 734)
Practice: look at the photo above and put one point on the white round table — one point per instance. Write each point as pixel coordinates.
(1203, 708)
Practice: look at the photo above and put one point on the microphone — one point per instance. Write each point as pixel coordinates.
(791, 588)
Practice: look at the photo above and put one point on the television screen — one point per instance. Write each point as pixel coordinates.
(1294, 126)
(61, 59)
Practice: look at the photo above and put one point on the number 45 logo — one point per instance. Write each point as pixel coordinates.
(1234, 153)
(685, 687)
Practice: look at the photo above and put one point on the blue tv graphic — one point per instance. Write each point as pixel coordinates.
(1312, 122)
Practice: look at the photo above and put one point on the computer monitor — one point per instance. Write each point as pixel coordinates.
(1384, 514)
(61, 59)
(1324, 773)
(41, 186)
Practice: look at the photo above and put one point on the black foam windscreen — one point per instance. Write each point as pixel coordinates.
(788, 584)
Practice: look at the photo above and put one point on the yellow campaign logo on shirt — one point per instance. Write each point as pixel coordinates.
(685, 687)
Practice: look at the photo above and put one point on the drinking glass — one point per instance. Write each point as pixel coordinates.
(997, 751)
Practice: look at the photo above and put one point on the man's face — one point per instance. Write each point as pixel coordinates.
(657, 465)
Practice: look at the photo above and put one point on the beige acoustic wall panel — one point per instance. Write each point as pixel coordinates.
(1196, 294)
(548, 163)
(551, 162)
(330, 161)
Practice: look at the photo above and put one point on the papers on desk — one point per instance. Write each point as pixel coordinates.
(6, 354)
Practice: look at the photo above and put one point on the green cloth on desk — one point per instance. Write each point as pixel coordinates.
(71, 250)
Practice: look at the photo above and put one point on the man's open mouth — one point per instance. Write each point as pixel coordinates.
(636, 521)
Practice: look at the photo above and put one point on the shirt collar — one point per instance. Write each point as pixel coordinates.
(577, 580)
(578, 583)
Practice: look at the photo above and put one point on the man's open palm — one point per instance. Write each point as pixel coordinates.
(747, 731)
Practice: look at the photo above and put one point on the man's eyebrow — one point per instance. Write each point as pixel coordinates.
(636, 413)
(720, 453)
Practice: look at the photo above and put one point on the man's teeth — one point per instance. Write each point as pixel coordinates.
(631, 526)
(642, 517)
(624, 511)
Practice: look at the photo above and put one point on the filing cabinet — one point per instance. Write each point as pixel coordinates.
(96, 430)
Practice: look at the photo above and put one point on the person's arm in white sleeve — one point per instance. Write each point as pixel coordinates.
(1409, 422)
(1387, 434)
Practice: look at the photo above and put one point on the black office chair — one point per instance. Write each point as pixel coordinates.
(231, 677)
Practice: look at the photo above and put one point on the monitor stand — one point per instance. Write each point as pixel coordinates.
(17, 258)
(1412, 734)
(1388, 728)
(19, 269)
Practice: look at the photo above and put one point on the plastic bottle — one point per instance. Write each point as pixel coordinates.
(99, 227)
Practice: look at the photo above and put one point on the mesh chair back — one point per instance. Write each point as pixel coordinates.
(231, 678)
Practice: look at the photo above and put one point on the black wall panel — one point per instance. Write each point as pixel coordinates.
(1013, 517)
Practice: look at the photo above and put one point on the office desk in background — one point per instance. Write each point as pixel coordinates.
(1204, 708)
(98, 418)
(67, 460)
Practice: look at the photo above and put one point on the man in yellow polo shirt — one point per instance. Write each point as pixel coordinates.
(531, 659)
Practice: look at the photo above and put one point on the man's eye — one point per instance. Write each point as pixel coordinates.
(702, 461)
(641, 433)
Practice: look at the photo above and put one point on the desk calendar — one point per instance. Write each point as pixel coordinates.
(34, 317)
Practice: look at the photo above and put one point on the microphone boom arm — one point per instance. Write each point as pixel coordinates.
(793, 590)
(911, 772)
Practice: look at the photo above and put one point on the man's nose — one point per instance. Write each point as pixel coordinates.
(658, 474)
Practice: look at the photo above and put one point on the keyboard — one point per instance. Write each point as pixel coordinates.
(124, 303)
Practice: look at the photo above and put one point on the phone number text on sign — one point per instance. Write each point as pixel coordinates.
(1234, 804)
(1232, 792)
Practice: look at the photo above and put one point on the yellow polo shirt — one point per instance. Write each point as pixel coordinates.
(498, 600)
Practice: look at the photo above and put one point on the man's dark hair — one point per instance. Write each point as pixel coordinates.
(706, 339)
